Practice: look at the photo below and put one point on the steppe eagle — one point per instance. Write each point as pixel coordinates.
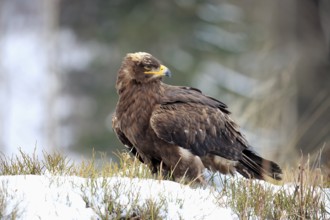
(179, 129)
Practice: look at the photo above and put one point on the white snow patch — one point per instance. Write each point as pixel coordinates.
(64, 197)
(71, 197)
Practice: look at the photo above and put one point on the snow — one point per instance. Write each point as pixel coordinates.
(71, 197)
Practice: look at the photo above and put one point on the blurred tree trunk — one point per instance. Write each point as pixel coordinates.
(29, 72)
(296, 38)
(3, 89)
(313, 76)
(51, 13)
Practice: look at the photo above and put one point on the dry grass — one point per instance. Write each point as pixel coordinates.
(302, 197)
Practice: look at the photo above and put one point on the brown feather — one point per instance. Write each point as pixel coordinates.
(123, 139)
(179, 128)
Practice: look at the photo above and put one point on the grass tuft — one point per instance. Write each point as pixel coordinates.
(302, 197)
(8, 211)
(20, 164)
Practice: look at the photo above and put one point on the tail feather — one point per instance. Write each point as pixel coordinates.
(255, 167)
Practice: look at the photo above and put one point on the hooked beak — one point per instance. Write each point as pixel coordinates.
(161, 71)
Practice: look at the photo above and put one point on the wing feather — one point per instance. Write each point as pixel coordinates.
(201, 128)
(183, 94)
(123, 139)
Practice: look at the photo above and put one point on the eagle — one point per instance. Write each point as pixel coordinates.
(178, 130)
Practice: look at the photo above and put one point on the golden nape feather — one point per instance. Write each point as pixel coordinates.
(179, 129)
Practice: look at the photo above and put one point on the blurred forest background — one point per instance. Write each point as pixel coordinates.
(269, 60)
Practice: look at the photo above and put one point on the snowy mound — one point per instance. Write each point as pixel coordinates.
(69, 197)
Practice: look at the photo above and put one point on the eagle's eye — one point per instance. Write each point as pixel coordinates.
(147, 67)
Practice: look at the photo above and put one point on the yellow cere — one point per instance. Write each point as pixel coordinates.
(159, 71)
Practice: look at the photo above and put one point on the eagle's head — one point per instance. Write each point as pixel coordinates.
(141, 67)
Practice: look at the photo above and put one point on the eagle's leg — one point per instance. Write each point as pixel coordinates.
(154, 166)
(184, 165)
(159, 169)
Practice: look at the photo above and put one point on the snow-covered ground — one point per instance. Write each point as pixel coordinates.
(70, 197)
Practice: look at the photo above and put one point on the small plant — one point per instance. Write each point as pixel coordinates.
(8, 210)
(20, 164)
(56, 163)
(151, 210)
(107, 201)
(302, 198)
